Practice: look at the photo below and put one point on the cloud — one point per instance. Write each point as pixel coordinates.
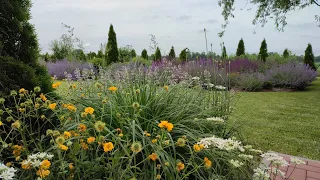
(86, 45)
(183, 18)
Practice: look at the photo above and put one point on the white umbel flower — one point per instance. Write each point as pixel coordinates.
(260, 174)
(236, 163)
(6, 173)
(297, 161)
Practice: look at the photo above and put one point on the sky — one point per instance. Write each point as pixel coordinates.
(177, 23)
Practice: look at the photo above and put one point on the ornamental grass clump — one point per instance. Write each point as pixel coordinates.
(107, 129)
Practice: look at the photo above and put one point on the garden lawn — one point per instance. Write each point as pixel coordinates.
(286, 122)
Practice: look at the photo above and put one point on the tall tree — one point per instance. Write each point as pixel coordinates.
(309, 57)
(100, 54)
(285, 53)
(172, 54)
(144, 54)
(19, 49)
(183, 55)
(157, 55)
(241, 48)
(133, 53)
(224, 54)
(112, 52)
(263, 53)
(276, 9)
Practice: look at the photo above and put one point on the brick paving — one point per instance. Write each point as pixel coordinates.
(308, 171)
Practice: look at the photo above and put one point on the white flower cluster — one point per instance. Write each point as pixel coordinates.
(36, 159)
(297, 161)
(245, 156)
(224, 144)
(215, 119)
(236, 163)
(219, 87)
(6, 173)
(195, 78)
(260, 174)
(275, 159)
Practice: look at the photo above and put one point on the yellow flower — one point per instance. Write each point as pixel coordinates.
(84, 114)
(120, 135)
(153, 157)
(67, 134)
(181, 142)
(99, 126)
(158, 177)
(52, 106)
(166, 125)
(9, 164)
(146, 133)
(43, 97)
(71, 108)
(82, 127)
(16, 124)
(154, 141)
(198, 147)
(65, 105)
(91, 140)
(63, 147)
(56, 85)
(180, 166)
(74, 86)
(113, 88)
(1, 123)
(89, 110)
(84, 146)
(207, 163)
(45, 164)
(71, 166)
(166, 88)
(166, 163)
(42, 173)
(60, 140)
(22, 90)
(25, 164)
(136, 147)
(37, 105)
(108, 146)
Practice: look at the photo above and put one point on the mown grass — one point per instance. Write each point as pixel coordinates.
(286, 122)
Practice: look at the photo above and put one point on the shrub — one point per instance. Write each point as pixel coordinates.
(144, 54)
(141, 61)
(157, 55)
(172, 54)
(249, 81)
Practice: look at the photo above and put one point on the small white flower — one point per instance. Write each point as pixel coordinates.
(260, 174)
(297, 161)
(277, 172)
(195, 78)
(6, 173)
(219, 87)
(275, 159)
(36, 163)
(216, 119)
(255, 151)
(236, 163)
(245, 156)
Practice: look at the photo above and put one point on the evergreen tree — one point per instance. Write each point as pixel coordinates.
(19, 51)
(263, 54)
(100, 54)
(224, 53)
(157, 54)
(172, 54)
(144, 54)
(183, 55)
(285, 53)
(46, 57)
(309, 57)
(112, 52)
(133, 53)
(241, 48)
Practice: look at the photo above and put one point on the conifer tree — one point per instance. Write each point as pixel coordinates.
(144, 54)
(285, 53)
(309, 57)
(112, 52)
(157, 54)
(263, 53)
(172, 54)
(241, 48)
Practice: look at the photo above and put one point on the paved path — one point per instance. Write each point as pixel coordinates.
(308, 171)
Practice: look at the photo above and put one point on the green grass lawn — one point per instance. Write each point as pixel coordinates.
(286, 122)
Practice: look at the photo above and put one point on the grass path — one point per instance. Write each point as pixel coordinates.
(286, 122)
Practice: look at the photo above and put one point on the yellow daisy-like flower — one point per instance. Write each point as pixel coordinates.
(84, 146)
(207, 163)
(154, 140)
(91, 140)
(113, 88)
(45, 164)
(166, 125)
(42, 173)
(198, 147)
(1, 123)
(120, 135)
(180, 166)
(25, 164)
(82, 127)
(56, 85)
(74, 86)
(52, 106)
(158, 177)
(71, 108)
(71, 166)
(63, 147)
(16, 124)
(99, 126)
(153, 156)
(136, 147)
(22, 90)
(166, 88)
(60, 140)
(89, 110)
(108, 146)
(146, 133)
(43, 97)
(67, 134)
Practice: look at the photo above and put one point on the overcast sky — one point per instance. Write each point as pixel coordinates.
(174, 22)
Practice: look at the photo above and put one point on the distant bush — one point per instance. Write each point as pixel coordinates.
(141, 61)
(59, 68)
(249, 81)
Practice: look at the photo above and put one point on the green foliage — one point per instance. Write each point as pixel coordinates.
(241, 48)
(157, 55)
(172, 54)
(144, 54)
(141, 61)
(91, 55)
(100, 54)
(276, 9)
(133, 53)
(112, 52)
(96, 62)
(46, 57)
(263, 53)
(79, 55)
(309, 57)
(183, 55)
(286, 53)
(19, 41)
(224, 54)
(125, 53)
